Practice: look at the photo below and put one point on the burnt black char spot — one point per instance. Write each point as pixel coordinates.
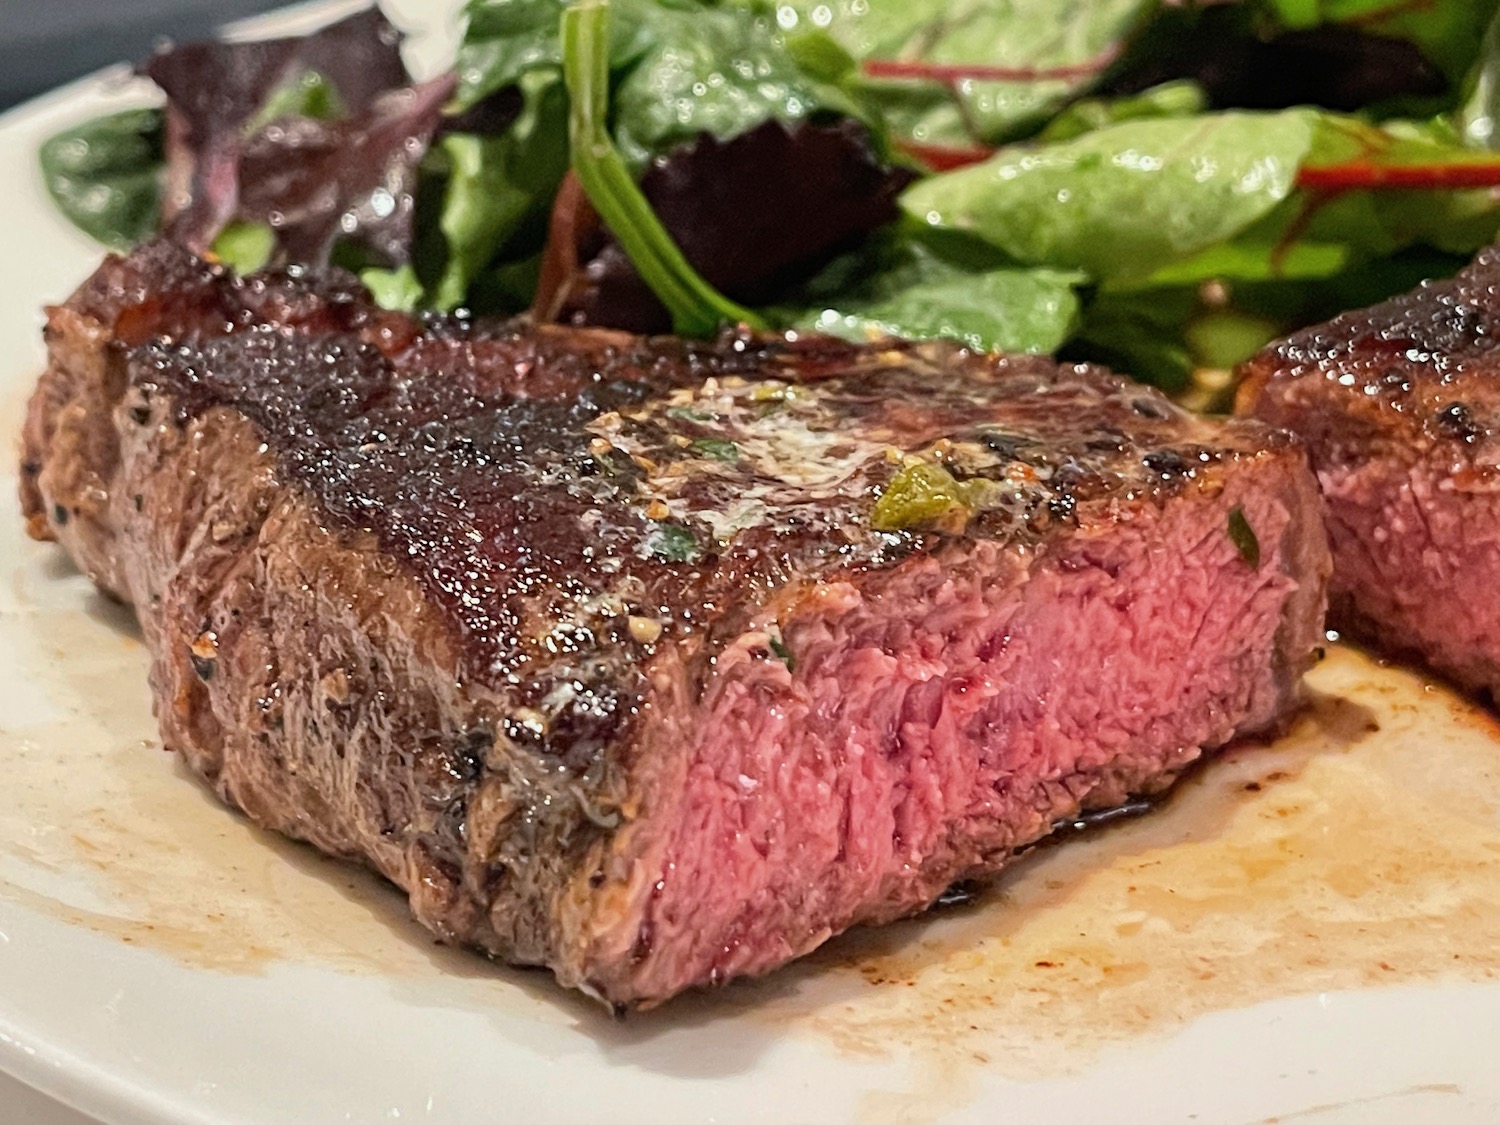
(1455, 421)
(1008, 446)
(962, 893)
(1166, 463)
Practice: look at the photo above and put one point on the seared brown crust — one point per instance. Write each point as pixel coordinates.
(453, 599)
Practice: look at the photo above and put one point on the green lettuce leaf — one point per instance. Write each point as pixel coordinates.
(711, 69)
(1057, 49)
(900, 285)
(496, 186)
(1478, 118)
(1335, 226)
(1381, 222)
(1170, 99)
(1127, 200)
(680, 68)
(1009, 310)
(104, 176)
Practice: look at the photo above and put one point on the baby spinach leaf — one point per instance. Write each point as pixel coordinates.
(1126, 200)
(503, 40)
(957, 71)
(104, 175)
(1141, 333)
(716, 70)
(908, 290)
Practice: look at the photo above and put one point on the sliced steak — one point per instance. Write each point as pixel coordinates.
(652, 662)
(1399, 405)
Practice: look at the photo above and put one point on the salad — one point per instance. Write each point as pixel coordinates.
(1163, 186)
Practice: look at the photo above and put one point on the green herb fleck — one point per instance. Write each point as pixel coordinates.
(784, 654)
(674, 542)
(400, 289)
(921, 495)
(245, 247)
(688, 414)
(1242, 535)
(717, 449)
(773, 391)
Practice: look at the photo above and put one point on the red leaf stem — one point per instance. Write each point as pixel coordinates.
(1364, 175)
(945, 158)
(952, 73)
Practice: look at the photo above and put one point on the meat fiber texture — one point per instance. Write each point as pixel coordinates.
(588, 641)
(1399, 406)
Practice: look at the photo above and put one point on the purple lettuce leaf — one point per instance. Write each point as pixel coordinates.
(240, 150)
(755, 215)
(316, 182)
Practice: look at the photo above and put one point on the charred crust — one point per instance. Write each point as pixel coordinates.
(1455, 421)
(1063, 508)
(965, 892)
(1168, 464)
(468, 756)
(1007, 446)
(1148, 406)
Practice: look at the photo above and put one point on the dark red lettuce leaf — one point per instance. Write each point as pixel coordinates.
(314, 181)
(1336, 66)
(754, 215)
(491, 116)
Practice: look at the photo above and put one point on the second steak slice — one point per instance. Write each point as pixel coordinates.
(658, 663)
(1399, 405)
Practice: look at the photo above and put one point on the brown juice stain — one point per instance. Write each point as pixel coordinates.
(1360, 850)
(1444, 1089)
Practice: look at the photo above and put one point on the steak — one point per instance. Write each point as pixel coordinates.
(653, 662)
(1399, 406)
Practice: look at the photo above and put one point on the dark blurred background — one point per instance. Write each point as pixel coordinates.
(44, 43)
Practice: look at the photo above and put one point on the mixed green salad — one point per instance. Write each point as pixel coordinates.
(1159, 185)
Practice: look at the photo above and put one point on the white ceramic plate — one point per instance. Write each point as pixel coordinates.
(1309, 931)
